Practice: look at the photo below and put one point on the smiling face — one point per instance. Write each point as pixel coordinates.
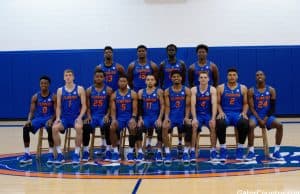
(176, 79)
(44, 84)
(99, 78)
(260, 77)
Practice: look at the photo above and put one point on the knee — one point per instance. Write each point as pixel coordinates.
(221, 124)
(243, 124)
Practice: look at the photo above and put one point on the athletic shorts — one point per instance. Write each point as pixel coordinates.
(269, 121)
(203, 120)
(38, 123)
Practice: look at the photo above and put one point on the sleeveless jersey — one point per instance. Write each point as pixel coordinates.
(177, 103)
(232, 100)
(262, 101)
(139, 75)
(199, 68)
(98, 102)
(151, 103)
(111, 75)
(124, 105)
(203, 101)
(70, 102)
(44, 105)
(168, 68)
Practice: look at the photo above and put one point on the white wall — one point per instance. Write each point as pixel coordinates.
(81, 24)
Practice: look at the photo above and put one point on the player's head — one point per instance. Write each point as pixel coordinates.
(45, 81)
(150, 81)
(99, 76)
(202, 51)
(108, 52)
(171, 50)
(69, 76)
(141, 51)
(176, 77)
(203, 77)
(232, 75)
(123, 81)
(260, 77)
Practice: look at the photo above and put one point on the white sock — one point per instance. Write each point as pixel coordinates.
(167, 150)
(103, 142)
(223, 146)
(276, 148)
(148, 141)
(108, 147)
(251, 149)
(240, 145)
(179, 141)
(51, 150)
(58, 149)
(130, 150)
(186, 149)
(116, 149)
(27, 151)
(212, 149)
(86, 148)
(77, 150)
(192, 149)
(140, 150)
(159, 150)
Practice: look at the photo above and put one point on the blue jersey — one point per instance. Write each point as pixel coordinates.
(140, 73)
(232, 100)
(203, 101)
(151, 103)
(199, 68)
(70, 103)
(111, 75)
(44, 105)
(124, 105)
(177, 104)
(262, 101)
(168, 68)
(99, 101)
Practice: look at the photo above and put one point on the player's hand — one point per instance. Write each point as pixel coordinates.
(49, 123)
(244, 115)
(87, 120)
(221, 115)
(57, 121)
(78, 120)
(261, 123)
(187, 121)
(132, 123)
(195, 124)
(106, 119)
(158, 123)
(212, 123)
(140, 122)
(28, 123)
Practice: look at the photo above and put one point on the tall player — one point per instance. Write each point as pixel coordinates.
(204, 110)
(232, 109)
(97, 97)
(41, 114)
(71, 107)
(203, 65)
(140, 68)
(151, 110)
(124, 110)
(262, 100)
(177, 112)
(112, 69)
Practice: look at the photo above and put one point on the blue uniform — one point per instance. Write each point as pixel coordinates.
(151, 108)
(140, 73)
(205, 68)
(98, 105)
(168, 68)
(44, 111)
(262, 105)
(203, 107)
(177, 107)
(123, 108)
(232, 104)
(70, 107)
(111, 75)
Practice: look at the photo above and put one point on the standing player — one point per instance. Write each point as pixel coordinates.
(71, 107)
(151, 110)
(203, 65)
(140, 68)
(97, 97)
(112, 69)
(123, 105)
(262, 100)
(204, 110)
(177, 112)
(232, 108)
(41, 114)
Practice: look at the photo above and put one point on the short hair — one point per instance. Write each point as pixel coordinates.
(45, 77)
(172, 45)
(141, 46)
(69, 71)
(232, 69)
(202, 46)
(176, 72)
(99, 71)
(123, 76)
(203, 72)
(108, 48)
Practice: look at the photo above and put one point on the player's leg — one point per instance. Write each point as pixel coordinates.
(272, 123)
(242, 126)
(221, 125)
(252, 124)
(57, 128)
(114, 131)
(132, 140)
(166, 129)
(88, 128)
(78, 125)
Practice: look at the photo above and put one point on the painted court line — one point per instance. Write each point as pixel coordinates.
(136, 187)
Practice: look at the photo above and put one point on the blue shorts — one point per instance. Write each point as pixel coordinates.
(122, 124)
(149, 122)
(38, 123)
(177, 123)
(232, 118)
(268, 123)
(97, 122)
(203, 121)
(68, 122)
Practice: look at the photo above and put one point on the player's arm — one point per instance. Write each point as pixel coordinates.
(161, 74)
(134, 104)
(272, 109)
(214, 103)
(82, 95)
(140, 104)
(220, 90)
(155, 70)
(183, 72)
(167, 104)
(120, 69)
(58, 104)
(32, 109)
(109, 91)
(112, 105)
(251, 103)
(161, 103)
(52, 119)
(187, 103)
(88, 104)
(215, 74)
(130, 75)
(191, 75)
(245, 102)
(193, 102)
